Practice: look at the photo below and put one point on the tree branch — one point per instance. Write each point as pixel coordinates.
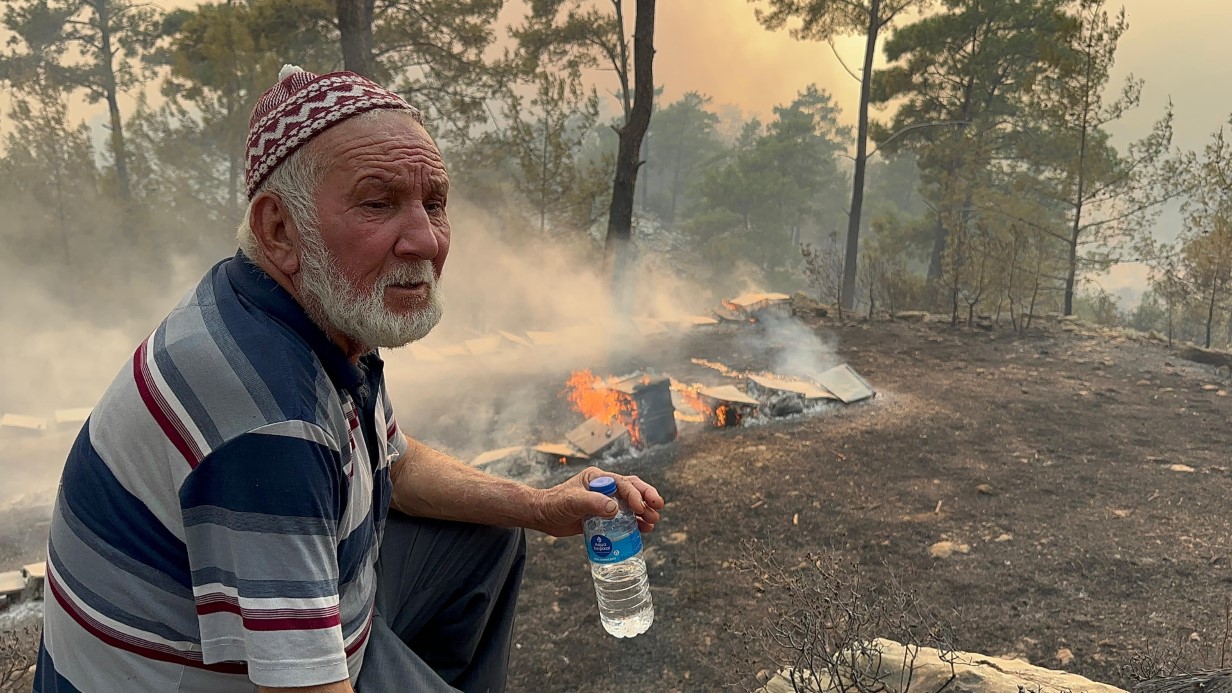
(909, 128)
(834, 50)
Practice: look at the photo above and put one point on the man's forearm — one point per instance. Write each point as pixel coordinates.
(428, 483)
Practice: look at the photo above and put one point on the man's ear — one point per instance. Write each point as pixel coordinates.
(275, 232)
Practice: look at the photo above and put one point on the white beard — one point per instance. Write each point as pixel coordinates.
(331, 303)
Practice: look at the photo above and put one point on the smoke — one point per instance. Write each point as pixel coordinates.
(795, 349)
(521, 313)
(70, 334)
(60, 351)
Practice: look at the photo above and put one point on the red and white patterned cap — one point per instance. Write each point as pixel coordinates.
(301, 106)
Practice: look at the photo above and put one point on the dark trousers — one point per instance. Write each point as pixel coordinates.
(444, 607)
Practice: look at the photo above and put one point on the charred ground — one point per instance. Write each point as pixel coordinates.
(1060, 444)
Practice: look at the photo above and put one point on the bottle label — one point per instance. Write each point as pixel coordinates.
(605, 550)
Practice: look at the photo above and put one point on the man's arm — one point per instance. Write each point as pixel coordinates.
(428, 483)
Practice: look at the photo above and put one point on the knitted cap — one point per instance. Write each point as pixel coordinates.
(301, 106)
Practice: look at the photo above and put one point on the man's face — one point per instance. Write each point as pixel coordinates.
(370, 268)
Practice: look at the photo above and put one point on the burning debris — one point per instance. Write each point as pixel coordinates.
(516, 453)
(654, 414)
(847, 385)
(561, 453)
(640, 403)
(596, 438)
(515, 339)
(649, 326)
(693, 321)
(18, 424)
(727, 406)
(71, 419)
(484, 346)
(758, 307)
(624, 414)
(787, 396)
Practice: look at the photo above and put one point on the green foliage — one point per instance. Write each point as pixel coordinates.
(683, 138)
(779, 187)
(219, 59)
(435, 53)
(1099, 307)
(50, 178)
(544, 137)
(576, 35)
(89, 46)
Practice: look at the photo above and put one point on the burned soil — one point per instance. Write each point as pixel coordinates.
(1088, 475)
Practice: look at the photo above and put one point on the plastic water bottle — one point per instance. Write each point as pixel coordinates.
(617, 567)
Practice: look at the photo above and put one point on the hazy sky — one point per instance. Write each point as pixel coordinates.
(1182, 49)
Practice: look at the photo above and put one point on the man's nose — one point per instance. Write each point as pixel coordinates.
(416, 237)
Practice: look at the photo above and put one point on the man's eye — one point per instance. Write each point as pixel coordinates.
(434, 207)
(376, 204)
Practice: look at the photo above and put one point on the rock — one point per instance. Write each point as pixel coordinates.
(986, 489)
(677, 538)
(945, 549)
(912, 315)
(1210, 388)
(897, 669)
(1065, 656)
(1181, 468)
(1004, 537)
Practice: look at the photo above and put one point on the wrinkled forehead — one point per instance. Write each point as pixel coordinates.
(386, 139)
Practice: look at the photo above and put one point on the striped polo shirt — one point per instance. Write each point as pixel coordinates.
(220, 513)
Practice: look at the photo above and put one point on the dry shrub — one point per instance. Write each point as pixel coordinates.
(823, 617)
(18, 652)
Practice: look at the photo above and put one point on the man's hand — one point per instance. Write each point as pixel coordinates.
(562, 509)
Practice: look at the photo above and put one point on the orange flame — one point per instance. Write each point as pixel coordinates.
(591, 397)
(729, 372)
(720, 416)
(691, 394)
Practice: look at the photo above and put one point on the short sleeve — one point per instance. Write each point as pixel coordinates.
(394, 441)
(261, 526)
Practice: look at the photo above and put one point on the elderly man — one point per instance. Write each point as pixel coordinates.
(242, 512)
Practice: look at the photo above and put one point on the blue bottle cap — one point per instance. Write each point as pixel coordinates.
(603, 484)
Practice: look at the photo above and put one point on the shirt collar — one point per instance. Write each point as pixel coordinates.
(254, 284)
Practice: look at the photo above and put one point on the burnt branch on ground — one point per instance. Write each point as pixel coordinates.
(18, 652)
(1186, 658)
(825, 615)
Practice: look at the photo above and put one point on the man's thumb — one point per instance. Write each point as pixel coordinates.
(603, 505)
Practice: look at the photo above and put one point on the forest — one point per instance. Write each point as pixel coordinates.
(981, 180)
